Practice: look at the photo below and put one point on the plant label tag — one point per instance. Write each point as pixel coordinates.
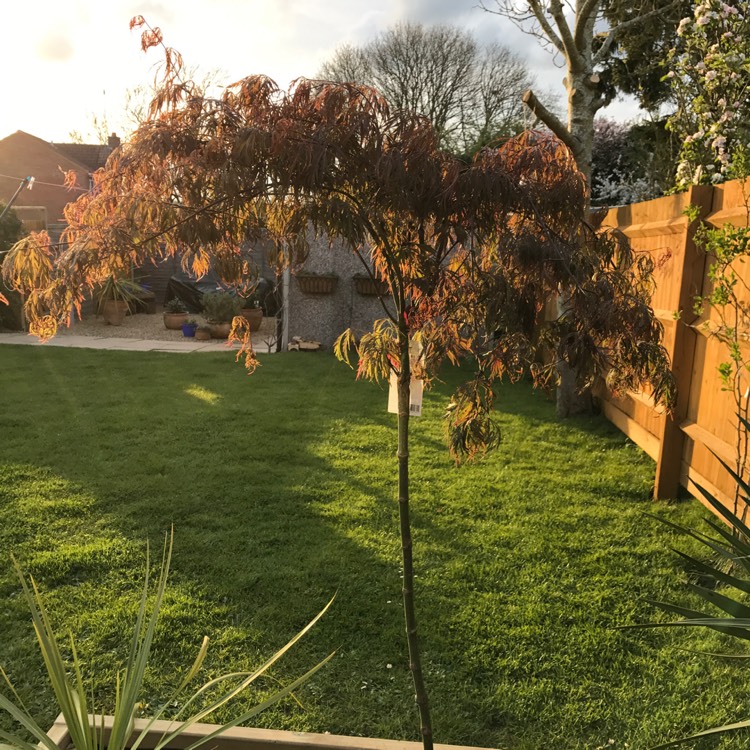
(415, 396)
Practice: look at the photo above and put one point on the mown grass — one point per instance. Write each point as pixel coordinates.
(281, 489)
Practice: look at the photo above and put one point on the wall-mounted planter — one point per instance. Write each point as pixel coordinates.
(369, 287)
(242, 738)
(317, 284)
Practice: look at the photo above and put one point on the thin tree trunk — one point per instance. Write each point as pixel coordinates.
(581, 112)
(415, 661)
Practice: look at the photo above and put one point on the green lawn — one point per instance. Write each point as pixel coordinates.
(281, 490)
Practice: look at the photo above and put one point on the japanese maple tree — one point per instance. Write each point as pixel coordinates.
(469, 252)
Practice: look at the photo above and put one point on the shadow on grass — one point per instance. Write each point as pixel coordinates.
(281, 488)
(105, 450)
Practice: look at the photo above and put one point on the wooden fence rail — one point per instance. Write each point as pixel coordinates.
(704, 422)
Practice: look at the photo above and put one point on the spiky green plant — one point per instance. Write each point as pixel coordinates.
(86, 726)
(729, 568)
(119, 290)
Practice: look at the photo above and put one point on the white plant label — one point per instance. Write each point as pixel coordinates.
(415, 396)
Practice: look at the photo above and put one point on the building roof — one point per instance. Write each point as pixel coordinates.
(23, 155)
(92, 156)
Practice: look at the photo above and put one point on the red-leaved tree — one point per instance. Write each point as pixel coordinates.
(469, 252)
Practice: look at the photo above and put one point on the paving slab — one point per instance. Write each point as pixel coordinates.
(125, 344)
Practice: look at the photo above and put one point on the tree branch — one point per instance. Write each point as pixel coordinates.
(538, 11)
(550, 120)
(570, 50)
(612, 34)
(589, 8)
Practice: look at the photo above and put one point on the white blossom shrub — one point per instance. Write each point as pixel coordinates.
(709, 73)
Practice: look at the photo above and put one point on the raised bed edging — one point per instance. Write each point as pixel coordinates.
(246, 738)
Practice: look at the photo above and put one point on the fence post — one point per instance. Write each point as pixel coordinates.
(682, 350)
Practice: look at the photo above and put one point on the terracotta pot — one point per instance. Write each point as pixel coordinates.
(203, 334)
(174, 321)
(114, 311)
(253, 316)
(220, 330)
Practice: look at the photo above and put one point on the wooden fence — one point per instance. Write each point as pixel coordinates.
(704, 422)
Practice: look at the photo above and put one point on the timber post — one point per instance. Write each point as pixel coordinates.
(688, 284)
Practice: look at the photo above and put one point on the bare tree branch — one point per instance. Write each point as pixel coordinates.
(586, 13)
(572, 53)
(470, 94)
(550, 120)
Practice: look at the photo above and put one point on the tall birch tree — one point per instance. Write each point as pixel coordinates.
(605, 46)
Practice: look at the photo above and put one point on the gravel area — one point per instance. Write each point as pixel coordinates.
(149, 327)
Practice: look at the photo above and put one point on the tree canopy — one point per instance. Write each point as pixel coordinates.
(470, 252)
(631, 162)
(607, 45)
(635, 64)
(470, 93)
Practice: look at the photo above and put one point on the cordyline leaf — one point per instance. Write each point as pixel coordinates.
(734, 581)
(78, 714)
(706, 733)
(737, 623)
(730, 606)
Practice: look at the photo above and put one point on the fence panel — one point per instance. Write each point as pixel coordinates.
(704, 420)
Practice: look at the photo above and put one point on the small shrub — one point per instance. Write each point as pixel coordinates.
(219, 307)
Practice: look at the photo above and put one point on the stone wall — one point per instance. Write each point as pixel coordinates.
(322, 317)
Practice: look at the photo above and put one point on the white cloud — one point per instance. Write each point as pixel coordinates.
(55, 46)
(85, 47)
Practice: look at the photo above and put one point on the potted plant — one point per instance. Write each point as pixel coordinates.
(219, 309)
(310, 282)
(115, 297)
(189, 327)
(84, 728)
(203, 333)
(175, 314)
(251, 310)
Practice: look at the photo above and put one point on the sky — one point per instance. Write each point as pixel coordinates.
(65, 62)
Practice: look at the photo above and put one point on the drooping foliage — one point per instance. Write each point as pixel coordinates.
(470, 253)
